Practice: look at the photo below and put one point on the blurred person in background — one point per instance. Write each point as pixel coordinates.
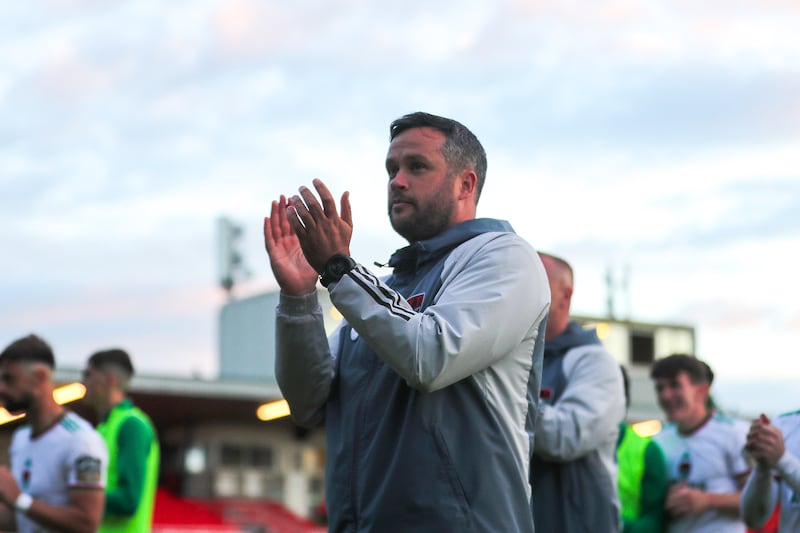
(705, 463)
(582, 403)
(58, 461)
(132, 443)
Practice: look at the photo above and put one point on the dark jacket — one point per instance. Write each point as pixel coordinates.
(423, 391)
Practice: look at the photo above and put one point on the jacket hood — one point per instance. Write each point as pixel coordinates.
(571, 337)
(417, 254)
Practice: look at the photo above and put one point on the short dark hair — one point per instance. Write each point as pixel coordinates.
(116, 357)
(30, 349)
(461, 148)
(669, 367)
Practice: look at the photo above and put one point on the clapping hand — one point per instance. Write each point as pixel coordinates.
(765, 442)
(300, 235)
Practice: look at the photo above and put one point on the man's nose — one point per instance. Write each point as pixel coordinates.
(399, 181)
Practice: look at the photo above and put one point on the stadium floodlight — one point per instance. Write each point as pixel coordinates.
(647, 428)
(230, 259)
(272, 410)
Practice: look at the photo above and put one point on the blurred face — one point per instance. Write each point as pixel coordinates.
(17, 387)
(682, 401)
(560, 297)
(422, 191)
(96, 383)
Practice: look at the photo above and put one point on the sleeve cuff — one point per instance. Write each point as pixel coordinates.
(789, 466)
(760, 470)
(298, 305)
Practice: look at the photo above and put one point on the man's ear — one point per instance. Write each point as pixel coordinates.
(40, 374)
(467, 183)
(562, 298)
(568, 293)
(111, 379)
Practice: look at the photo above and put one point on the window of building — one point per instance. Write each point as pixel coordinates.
(230, 455)
(297, 460)
(315, 485)
(261, 456)
(642, 347)
(273, 487)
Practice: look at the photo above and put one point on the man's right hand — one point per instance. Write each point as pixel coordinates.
(290, 267)
(683, 500)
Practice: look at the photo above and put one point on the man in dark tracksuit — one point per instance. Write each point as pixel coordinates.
(573, 471)
(422, 389)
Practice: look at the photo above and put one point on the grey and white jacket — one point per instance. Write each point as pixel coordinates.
(422, 389)
(574, 467)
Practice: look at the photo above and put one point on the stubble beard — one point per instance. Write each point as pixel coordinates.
(427, 220)
(18, 406)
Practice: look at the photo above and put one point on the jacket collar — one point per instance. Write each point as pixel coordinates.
(417, 254)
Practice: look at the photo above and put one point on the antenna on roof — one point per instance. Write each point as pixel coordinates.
(609, 292)
(622, 286)
(229, 255)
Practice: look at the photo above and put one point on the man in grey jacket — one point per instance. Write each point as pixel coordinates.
(574, 471)
(422, 389)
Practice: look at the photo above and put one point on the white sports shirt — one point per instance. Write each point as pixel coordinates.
(70, 454)
(709, 459)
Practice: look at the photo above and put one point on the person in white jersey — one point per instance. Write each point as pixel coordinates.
(775, 447)
(704, 450)
(58, 461)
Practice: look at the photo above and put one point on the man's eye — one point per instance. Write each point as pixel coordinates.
(417, 167)
(392, 172)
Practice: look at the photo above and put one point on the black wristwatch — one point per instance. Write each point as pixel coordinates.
(336, 267)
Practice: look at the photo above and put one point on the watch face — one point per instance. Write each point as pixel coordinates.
(337, 266)
(340, 267)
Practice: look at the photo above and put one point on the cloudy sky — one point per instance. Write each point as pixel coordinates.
(656, 140)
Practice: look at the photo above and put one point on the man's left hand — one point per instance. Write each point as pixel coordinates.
(765, 442)
(322, 232)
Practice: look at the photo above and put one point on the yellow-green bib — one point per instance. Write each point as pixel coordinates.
(630, 460)
(142, 519)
